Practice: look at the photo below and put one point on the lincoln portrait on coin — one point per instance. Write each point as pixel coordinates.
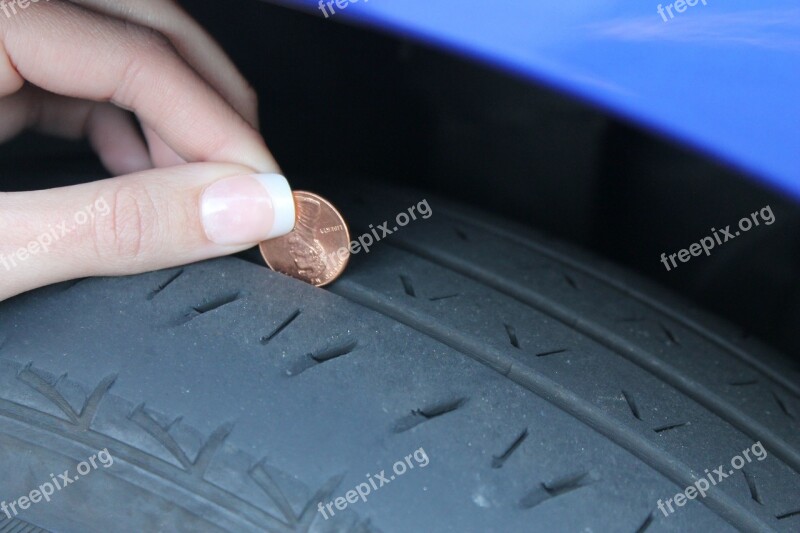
(306, 251)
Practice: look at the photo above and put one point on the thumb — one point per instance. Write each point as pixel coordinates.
(137, 223)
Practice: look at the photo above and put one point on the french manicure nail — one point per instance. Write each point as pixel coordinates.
(248, 209)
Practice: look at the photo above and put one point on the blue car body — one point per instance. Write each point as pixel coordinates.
(721, 76)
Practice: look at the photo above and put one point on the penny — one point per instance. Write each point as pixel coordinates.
(317, 249)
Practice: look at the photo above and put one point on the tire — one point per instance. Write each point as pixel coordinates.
(523, 386)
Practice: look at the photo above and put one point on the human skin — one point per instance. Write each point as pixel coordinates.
(191, 188)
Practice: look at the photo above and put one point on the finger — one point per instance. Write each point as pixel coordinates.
(141, 222)
(115, 138)
(160, 152)
(196, 46)
(135, 68)
(10, 80)
(110, 130)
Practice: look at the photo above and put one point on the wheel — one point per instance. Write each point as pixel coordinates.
(465, 374)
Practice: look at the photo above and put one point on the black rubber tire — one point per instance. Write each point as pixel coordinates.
(548, 390)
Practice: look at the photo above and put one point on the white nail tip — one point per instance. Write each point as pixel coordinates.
(282, 203)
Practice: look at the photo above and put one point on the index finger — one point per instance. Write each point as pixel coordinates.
(68, 50)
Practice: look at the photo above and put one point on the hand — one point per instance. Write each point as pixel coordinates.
(72, 69)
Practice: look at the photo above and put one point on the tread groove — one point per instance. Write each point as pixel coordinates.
(196, 468)
(273, 491)
(751, 484)
(283, 325)
(216, 303)
(739, 353)
(646, 450)
(570, 281)
(669, 427)
(17, 525)
(140, 417)
(418, 416)
(611, 340)
(512, 335)
(446, 297)
(160, 288)
(309, 512)
(632, 405)
(332, 353)
(790, 514)
(670, 335)
(69, 285)
(558, 488)
(89, 409)
(48, 390)
(647, 523)
(567, 484)
(551, 352)
(131, 454)
(408, 286)
(744, 383)
(322, 356)
(574, 385)
(782, 405)
(499, 460)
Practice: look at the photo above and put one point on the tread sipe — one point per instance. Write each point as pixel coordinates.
(548, 391)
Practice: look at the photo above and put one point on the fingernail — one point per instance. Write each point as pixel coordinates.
(248, 209)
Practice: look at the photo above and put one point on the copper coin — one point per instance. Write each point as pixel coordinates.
(317, 249)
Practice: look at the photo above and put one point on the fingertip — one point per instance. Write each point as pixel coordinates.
(283, 206)
(247, 209)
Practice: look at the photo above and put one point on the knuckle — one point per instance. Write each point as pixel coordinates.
(130, 230)
(148, 41)
(145, 52)
(145, 48)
